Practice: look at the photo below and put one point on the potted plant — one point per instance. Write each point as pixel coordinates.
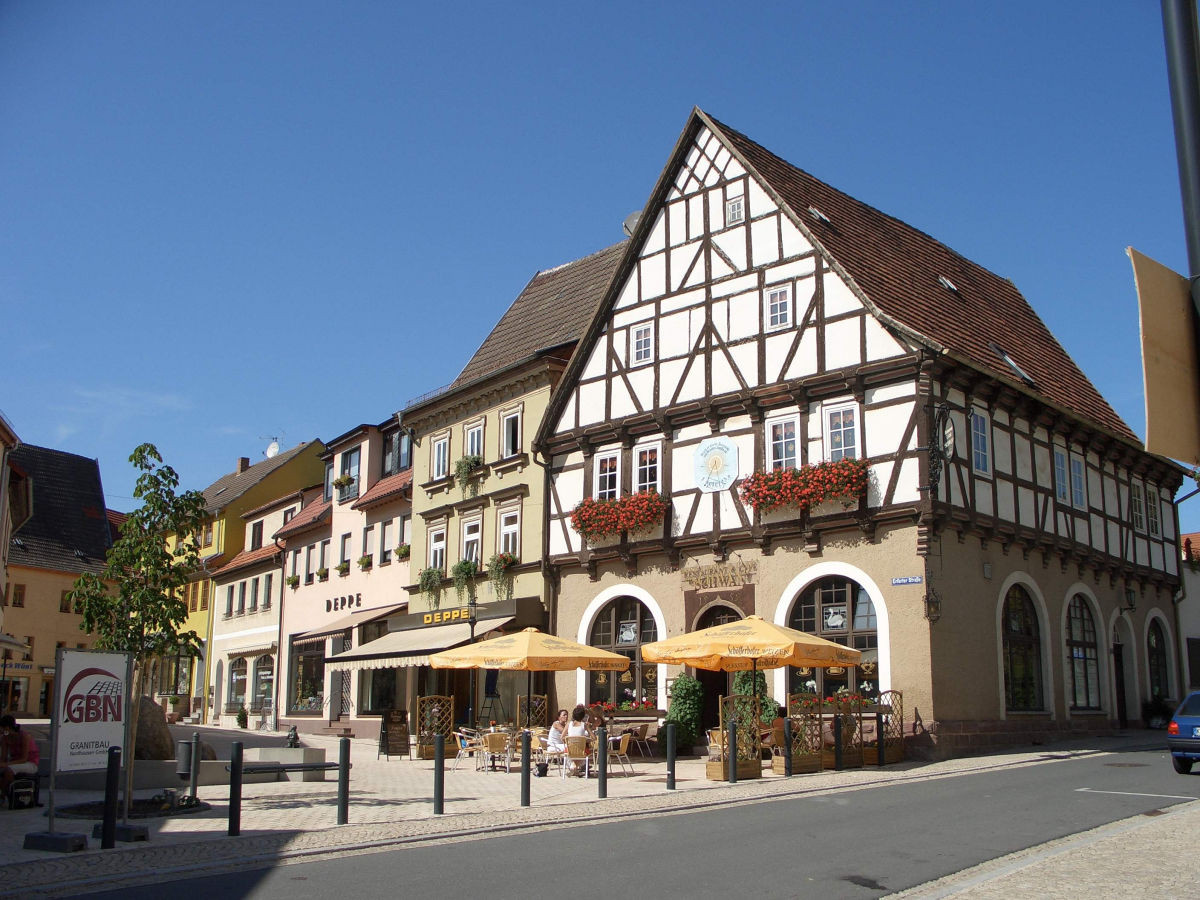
(322, 574)
(243, 717)
(430, 583)
(499, 570)
(343, 481)
(684, 711)
(293, 581)
(463, 572)
(403, 552)
(806, 486)
(463, 469)
(598, 519)
(365, 561)
(343, 567)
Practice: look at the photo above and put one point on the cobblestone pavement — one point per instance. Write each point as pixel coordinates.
(391, 803)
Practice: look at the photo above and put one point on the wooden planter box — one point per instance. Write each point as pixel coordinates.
(804, 764)
(716, 770)
(851, 759)
(892, 753)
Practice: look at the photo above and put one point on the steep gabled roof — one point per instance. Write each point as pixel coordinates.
(247, 558)
(228, 488)
(553, 309)
(316, 513)
(385, 489)
(69, 528)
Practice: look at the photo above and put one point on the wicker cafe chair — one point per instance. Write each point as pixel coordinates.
(467, 746)
(577, 752)
(620, 753)
(640, 741)
(496, 748)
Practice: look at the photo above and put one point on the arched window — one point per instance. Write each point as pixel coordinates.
(622, 626)
(1083, 655)
(1022, 652)
(264, 683)
(237, 682)
(1156, 660)
(839, 610)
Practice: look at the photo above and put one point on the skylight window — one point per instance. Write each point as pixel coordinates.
(947, 283)
(819, 216)
(1017, 370)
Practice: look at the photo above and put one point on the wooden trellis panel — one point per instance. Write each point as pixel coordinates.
(537, 713)
(435, 715)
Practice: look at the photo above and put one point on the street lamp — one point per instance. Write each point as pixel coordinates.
(472, 617)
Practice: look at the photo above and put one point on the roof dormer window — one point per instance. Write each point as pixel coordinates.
(1017, 370)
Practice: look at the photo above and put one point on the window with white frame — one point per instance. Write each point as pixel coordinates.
(782, 442)
(473, 439)
(267, 584)
(472, 539)
(350, 461)
(1078, 488)
(1136, 505)
(437, 548)
(241, 604)
(308, 564)
(229, 601)
(323, 563)
(1062, 483)
(643, 343)
(1152, 520)
(778, 309)
(385, 545)
(328, 494)
(405, 535)
(510, 531)
(608, 476)
(295, 562)
(368, 539)
(645, 468)
(510, 434)
(735, 211)
(981, 443)
(841, 432)
(440, 464)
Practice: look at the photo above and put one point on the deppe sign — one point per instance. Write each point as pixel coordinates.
(93, 690)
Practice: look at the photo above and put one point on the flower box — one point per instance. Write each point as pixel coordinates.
(596, 520)
(806, 487)
(717, 769)
(802, 764)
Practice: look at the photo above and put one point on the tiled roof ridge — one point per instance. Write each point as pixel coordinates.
(553, 269)
(232, 485)
(248, 557)
(384, 489)
(309, 517)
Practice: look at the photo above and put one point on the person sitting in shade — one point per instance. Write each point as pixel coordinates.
(578, 727)
(556, 739)
(18, 752)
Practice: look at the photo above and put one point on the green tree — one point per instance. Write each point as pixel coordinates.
(136, 605)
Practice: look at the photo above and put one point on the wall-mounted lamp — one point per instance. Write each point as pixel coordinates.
(1130, 601)
(987, 571)
(933, 606)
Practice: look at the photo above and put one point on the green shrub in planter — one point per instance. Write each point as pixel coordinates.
(685, 709)
(243, 717)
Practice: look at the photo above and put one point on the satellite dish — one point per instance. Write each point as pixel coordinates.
(272, 449)
(630, 223)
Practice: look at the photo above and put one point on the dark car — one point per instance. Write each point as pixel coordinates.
(1183, 734)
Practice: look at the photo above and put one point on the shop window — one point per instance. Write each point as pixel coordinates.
(1022, 653)
(237, 685)
(839, 610)
(1156, 660)
(1083, 654)
(623, 626)
(264, 684)
(306, 682)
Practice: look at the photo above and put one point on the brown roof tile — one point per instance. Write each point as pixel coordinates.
(229, 487)
(248, 558)
(384, 489)
(316, 513)
(897, 268)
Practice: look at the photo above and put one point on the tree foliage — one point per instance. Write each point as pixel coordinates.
(137, 604)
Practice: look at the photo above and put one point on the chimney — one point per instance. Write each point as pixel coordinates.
(243, 464)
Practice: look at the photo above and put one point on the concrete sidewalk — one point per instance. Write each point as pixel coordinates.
(391, 803)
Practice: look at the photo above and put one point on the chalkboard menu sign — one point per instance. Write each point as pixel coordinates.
(393, 734)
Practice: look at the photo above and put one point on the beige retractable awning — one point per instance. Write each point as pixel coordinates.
(409, 648)
(254, 650)
(353, 620)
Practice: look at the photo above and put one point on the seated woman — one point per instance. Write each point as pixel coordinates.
(578, 727)
(556, 737)
(18, 752)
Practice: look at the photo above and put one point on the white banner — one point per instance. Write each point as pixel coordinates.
(92, 689)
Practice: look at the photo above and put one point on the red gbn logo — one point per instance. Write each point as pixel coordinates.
(98, 701)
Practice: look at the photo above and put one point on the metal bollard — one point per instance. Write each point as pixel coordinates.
(112, 778)
(194, 782)
(879, 737)
(670, 733)
(343, 801)
(602, 762)
(525, 742)
(787, 747)
(235, 789)
(439, 774)
(837, 742)
(731, 750)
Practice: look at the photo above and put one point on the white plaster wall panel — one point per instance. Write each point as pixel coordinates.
(1094, 488)
(738, 285)
(620, 342)
(628, 317)
(1005, 506)
(622, 401)
(1114, 538)
(567, 420)
(1114, 494)
(760, 202)
(955, 493)
(1026, 507)
(878, 477)
(642, 381)
(680, 301)
(794, 242)
(711, 177)
(1043, 466)
(733, 245)
(796, 269)
(716, 209)
(673, 335)
(693, 384)
(1090, 531)
(674, 193)
(842, 347)
(743, 316)
(1141, 556)
(734, 169)
(683, 258)
(591, 402)
(629, 295)
(885, 392)
(680, 506)
(882, 428)
(1000, 417)
(745, 356)
(558, 540)
(724, 380)
(728, 511)
(1022, 452)
(692, 433)
(597, 361)
(804, 363)
(764, 239)
(839, 298)
(683, 474)
(653, 275)
(704, 515)
(677, 223)
(1156, 556)
(656, 240)
(908, 485)
(697, 321)
(776, 346)
(695, 217)
(719, 314)
(983, 500)
(669, 374)
(1002, 452)
(720, 158)
(718, 268)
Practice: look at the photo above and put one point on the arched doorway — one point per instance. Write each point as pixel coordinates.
(838, 609)
(622, 626)
(715, 684)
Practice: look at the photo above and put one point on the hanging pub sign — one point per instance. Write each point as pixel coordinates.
(91, 703)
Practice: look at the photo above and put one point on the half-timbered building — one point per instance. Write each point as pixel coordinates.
(765, 342)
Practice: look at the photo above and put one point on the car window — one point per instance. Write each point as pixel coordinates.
(1190, 706)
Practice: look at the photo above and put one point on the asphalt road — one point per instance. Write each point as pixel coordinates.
(865, 843)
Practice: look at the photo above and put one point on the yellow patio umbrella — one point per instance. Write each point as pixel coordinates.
(529, 651)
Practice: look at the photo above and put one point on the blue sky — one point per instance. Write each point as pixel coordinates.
(226, 222)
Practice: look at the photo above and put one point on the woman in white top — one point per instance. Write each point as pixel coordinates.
(556, 739)
(578, 726)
